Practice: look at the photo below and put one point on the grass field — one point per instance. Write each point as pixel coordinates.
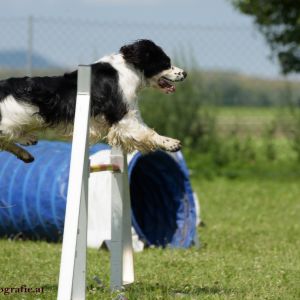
(250, 250)
(253, 121)
(250, 244)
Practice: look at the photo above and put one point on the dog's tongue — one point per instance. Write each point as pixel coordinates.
(166, 86)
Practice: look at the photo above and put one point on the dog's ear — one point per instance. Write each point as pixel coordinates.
(124, 50)
(131, 54)
(135, 54)
(128, 52)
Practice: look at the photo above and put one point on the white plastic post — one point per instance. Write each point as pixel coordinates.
(122, 270)
(72, 278)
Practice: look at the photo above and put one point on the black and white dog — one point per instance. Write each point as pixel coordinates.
(31, 104)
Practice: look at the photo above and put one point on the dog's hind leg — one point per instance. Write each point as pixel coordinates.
(16, 150)
(132, 134)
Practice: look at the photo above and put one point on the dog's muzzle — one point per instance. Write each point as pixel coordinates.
(168, 77)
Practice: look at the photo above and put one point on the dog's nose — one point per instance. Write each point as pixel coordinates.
(184, 74)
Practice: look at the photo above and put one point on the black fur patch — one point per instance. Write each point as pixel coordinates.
(146, 57)
(56, 96)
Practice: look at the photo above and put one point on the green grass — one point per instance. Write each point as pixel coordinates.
(250, 250)
(253, 158)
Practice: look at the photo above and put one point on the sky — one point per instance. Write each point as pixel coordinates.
(192, 11)
(219, 36)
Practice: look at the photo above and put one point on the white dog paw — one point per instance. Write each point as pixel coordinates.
(28, 140)
(171, 145)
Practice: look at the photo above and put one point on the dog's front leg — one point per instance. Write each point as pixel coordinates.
(17, 151)
(131, 134)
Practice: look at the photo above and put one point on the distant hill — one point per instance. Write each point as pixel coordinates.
(17, 59)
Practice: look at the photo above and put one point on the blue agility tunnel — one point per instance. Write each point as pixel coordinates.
(33, 196)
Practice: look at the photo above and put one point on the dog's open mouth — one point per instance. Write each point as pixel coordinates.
(166, 85)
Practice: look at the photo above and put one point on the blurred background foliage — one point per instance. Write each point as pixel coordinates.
(230, 124)
(279, 21)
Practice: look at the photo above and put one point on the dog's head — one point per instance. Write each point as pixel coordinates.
(156, 66)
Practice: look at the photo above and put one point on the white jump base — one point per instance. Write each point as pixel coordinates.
(72, 276)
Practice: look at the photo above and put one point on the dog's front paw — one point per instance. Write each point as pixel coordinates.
(26, 158)
(28, 140)
(171, 145)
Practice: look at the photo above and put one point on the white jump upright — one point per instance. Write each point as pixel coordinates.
(122, 272)
(72, 282)
(72, 277)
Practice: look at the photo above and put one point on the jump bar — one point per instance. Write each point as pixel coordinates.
(105, 167)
